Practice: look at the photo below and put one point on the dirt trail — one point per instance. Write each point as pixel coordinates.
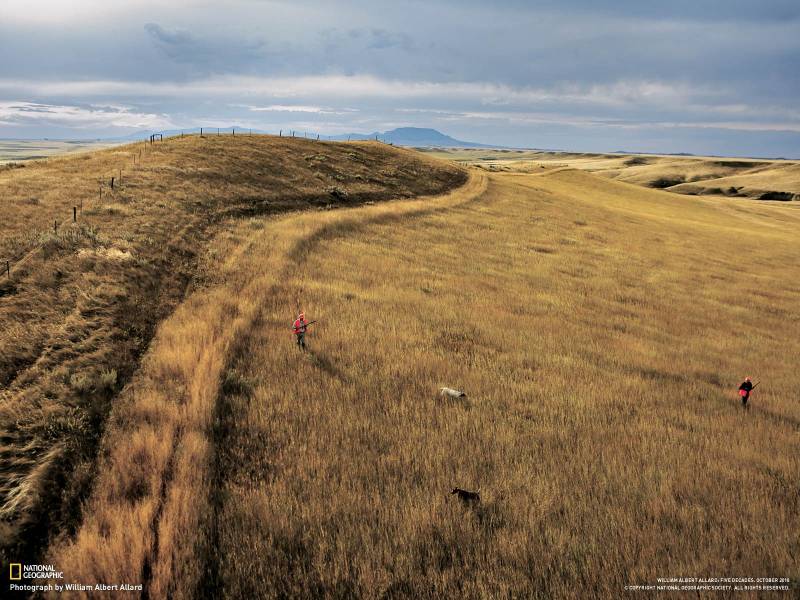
(84, 301)
(323, 489)
(174, 444)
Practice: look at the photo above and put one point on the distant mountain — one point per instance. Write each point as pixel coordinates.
(412, 136)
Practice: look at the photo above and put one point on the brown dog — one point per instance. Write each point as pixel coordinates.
(467, 497)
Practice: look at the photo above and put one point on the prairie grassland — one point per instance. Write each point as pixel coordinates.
(83, 301)
(600, 331)
(693, 175)
(151, 517)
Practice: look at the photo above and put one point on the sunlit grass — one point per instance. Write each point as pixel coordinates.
(601, 423)
(599, 331)
(84, 298)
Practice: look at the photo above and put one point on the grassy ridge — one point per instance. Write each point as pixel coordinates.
(600, 331)
(82, 307)
(151, 517)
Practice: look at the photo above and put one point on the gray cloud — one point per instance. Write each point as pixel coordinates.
(170, 39)
(685, 74)
(205, 54)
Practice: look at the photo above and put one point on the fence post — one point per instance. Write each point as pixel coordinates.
(55, 227)
(201, 132)
(8, 268)
(112, 183)
(74, 214)
(233, 132)
(280, 133)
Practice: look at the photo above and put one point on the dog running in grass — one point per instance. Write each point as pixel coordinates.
(467, 497)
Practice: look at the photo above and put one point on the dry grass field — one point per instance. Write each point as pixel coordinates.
(759, 179)
(26, 150)
(599, 329)
(84, 298)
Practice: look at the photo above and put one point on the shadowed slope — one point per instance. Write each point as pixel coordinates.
(84, 299)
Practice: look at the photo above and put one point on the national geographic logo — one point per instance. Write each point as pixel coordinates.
(18, 572)
(44, 579)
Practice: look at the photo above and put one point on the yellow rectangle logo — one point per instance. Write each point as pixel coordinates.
(15, 568)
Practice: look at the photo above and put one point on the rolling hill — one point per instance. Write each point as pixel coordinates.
(163, 428)
(757, 179)
(599, 330)
(84, 297)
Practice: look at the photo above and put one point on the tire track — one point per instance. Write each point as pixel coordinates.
(212, 582)
(168, 415)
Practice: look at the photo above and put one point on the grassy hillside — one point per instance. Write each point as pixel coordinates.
(743, 178)
(84, 297)
(599, 329)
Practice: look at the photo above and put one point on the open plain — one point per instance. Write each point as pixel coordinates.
(598, 328)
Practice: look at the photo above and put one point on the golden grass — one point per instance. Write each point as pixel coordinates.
(599, 330)
(693, 175)
(158, 468)
(86, 299)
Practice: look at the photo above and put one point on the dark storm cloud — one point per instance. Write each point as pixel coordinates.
(579, 73)
(206, 55)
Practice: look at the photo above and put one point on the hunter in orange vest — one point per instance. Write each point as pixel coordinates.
(299, 328)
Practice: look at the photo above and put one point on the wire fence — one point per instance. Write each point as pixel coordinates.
(10, 266)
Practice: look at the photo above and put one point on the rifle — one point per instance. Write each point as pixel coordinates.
(307, 323)
(754, 387)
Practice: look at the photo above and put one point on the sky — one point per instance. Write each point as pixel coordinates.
(704, 77)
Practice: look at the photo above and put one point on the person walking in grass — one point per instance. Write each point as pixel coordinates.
(745, 389)
(300, 327)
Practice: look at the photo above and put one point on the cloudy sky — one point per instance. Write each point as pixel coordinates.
(698, 76)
